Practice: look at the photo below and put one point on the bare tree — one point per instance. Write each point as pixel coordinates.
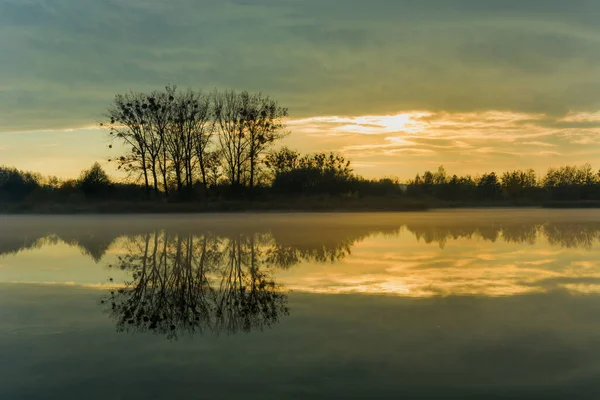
(228, 118)
(170, 136)
(189, 136)
(158, 109)
(193, 122)
(263, 123)
(126, 122)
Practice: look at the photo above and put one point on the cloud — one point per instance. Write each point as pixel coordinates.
(67, 58)
(465, 143)
(539, 144)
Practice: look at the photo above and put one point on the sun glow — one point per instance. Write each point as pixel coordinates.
(409, 122)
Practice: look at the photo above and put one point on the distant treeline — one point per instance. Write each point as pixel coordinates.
(566, 183)
(193, 146)
(294, 175)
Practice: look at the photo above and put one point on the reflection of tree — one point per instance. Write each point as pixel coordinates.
(187, 283)
(520, 233)
(286, 256)
(90, 244)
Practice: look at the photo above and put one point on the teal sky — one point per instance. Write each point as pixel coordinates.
(474, 84)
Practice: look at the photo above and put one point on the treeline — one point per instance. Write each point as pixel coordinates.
(288, 173)
(566, 183)
(93, 183)
(194, 146)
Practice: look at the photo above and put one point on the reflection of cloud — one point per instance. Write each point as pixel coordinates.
(99, 286)
(585, 264)
(582, 288)
(539, 262)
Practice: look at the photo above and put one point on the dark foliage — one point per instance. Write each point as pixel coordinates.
(568, 183)
(94, 182)
(318, 173)
(291, 175)
(16, 185)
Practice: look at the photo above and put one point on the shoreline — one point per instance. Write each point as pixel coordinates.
(304, 205)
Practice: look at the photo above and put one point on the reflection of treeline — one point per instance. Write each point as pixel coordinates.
(91, 242)
(567, 235)
(284, 242)
(289, 240)
(188, 283)
(13, 244)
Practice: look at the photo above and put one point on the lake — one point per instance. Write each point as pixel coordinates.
(461, 304)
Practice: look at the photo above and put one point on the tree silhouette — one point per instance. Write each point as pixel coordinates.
(94, 181)
(248, 124)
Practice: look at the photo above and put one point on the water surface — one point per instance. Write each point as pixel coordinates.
(444, 304)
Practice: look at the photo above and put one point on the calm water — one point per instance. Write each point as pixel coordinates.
(453, 304)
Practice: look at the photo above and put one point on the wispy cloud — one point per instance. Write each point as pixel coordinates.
(406, 80)
(486, 140)
(538, 144)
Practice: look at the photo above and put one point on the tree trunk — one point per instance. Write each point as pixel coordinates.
(203, 171)
(178, 177)
(145, 171)
(188, 172)
(164, 169)
(154, 176)
(251, 170)
(165, 183)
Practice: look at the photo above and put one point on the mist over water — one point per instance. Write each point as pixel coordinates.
(443, 304)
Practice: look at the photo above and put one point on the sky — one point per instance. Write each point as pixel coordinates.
(397, 86)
